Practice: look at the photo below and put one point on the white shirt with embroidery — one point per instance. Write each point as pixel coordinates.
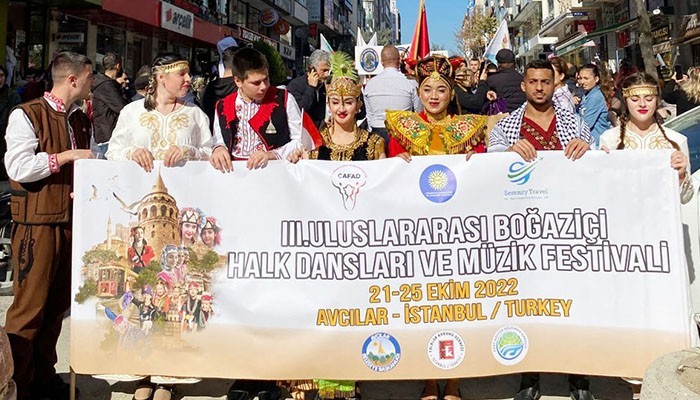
(187, 127)
(22, 162)
(247, 141)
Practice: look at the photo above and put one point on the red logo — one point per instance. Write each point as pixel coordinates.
(447, 349)
(169, 15)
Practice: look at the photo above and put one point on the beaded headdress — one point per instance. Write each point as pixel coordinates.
(343, 77)
(435, 67)
(640, 90)
(172, 67)
(192, 215)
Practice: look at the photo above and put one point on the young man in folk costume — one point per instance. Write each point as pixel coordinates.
(434, 131)
(256, 123)
(44, 137)
(140, 253)
(536, 126)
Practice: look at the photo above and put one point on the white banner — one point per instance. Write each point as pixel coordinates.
(176, 19)
(380, 269)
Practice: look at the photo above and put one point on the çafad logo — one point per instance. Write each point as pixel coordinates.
(381, 352)
(519, 172)
(438, 183)
(509, 345)
(348, 179)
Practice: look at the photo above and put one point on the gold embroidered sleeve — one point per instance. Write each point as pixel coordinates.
(464, 132)
(313, 155)
(409, 130)
(375, 146)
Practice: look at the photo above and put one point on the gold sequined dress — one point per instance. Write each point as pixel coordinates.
(366, 146)
(186, 127)
(418, 134)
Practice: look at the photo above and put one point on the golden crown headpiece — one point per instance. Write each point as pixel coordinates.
(172, 67)
(344, 81)
(435, 67)
(640, 90)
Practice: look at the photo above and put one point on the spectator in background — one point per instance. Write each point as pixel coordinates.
(107, 101)
(8, 99)
(685, 92)
(220, 87)
(470, 89)
(223, 44)
(309, 90)
(35, 86)
(475, 66)
(505, 83)
(562, 96)
(141, 83)
(593, 107)
(389, 90)
(571, 73)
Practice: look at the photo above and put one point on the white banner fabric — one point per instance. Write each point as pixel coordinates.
(384, 269)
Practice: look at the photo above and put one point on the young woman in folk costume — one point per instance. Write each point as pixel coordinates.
(140, 253)
(161, 126)
(211, 233)
(435, 131)
(640, 128)
(342, 139)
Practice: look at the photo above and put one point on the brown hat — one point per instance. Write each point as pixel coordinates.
(505, 56)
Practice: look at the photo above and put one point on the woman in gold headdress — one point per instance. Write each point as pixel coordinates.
(342, 139)
(434, 131)
(640, 128)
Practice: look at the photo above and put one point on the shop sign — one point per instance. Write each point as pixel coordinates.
(251, 36)
(176, 19)
(269, 17)
(282, 27)
(662, 47)
(585, 26)
(660, 35)
(313, 30)
(187, 6)
(690, 27)
(69, 37)
(287, 52)
(579, 13)
(314, 7)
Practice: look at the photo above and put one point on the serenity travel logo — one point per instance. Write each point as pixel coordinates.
(519, 172)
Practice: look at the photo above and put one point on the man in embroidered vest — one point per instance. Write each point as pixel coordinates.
(539, 125)
(44, 137)
(256, 123)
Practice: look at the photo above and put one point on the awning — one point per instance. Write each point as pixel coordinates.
(571, 44)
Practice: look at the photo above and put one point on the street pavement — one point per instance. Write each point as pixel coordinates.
(554, 386)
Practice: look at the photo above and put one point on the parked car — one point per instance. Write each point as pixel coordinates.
(689, 125)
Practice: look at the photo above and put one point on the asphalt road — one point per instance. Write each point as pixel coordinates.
(554, 386)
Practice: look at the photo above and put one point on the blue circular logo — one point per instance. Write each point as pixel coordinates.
(381, 352)
(509, 345)
(438, 183)
(369, 60)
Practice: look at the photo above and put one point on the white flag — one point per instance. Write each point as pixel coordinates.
(360, 42)
(325, 45)
(501, 40)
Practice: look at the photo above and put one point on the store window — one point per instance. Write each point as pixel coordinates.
(109, 40)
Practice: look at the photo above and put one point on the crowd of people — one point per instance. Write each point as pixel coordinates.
(414, 108)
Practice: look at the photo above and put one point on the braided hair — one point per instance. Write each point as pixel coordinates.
(160, 61)
(640, 78)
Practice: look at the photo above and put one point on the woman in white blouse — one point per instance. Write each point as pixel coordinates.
(640, 128)
(162, 126)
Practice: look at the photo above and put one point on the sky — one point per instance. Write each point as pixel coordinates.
(444, 18)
